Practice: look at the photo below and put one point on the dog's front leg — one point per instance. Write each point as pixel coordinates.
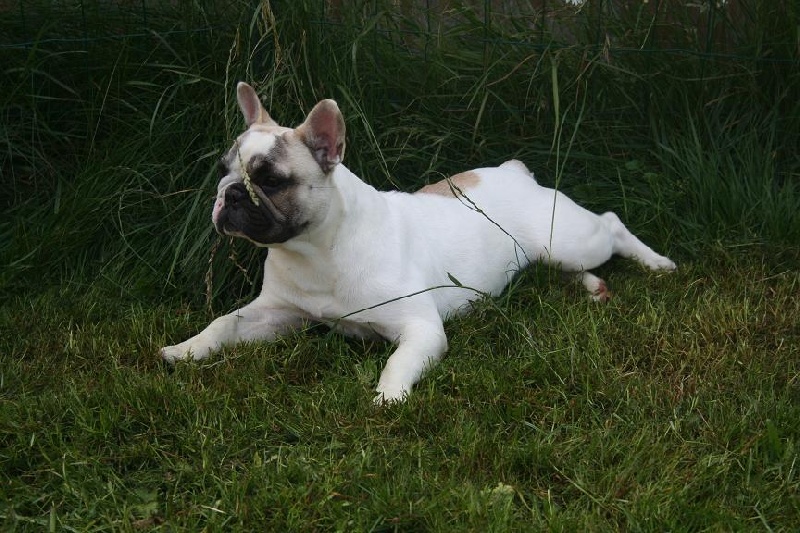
(255, 321)
(420, 345)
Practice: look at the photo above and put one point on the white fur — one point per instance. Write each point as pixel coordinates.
(396, 265)
(407, 243)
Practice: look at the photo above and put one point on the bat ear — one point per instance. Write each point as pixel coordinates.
(252, 110)
(323, 132)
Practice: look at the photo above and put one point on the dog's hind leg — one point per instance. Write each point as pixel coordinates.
(628, 245)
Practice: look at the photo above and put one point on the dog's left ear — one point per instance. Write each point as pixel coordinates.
(323, 133)
(250, 105)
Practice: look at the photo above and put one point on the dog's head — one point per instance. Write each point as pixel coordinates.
(275, 182)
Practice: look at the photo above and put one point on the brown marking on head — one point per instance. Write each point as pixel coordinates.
(450, 186)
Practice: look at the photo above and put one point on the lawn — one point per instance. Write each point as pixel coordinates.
(675, 406)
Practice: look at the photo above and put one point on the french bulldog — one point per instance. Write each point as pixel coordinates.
(391, 265)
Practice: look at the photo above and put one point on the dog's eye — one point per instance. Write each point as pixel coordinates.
(266, 177)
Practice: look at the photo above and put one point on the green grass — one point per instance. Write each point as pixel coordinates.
(673, 407)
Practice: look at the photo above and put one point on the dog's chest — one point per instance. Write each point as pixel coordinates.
(322, 289)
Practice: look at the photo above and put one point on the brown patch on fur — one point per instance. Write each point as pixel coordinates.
(462, 182)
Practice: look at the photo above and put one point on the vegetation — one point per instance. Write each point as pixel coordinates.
(674, 407)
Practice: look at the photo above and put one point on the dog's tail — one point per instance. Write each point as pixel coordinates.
(517, 166)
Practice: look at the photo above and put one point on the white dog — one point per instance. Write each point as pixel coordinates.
(386, 264)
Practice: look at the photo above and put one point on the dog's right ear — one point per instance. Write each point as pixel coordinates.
(323, 132)
(249, 103)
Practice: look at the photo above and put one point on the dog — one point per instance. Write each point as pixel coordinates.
(390, 265)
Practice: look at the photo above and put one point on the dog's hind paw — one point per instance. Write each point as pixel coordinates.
(598, 290)
(660, 262)
(602, 294)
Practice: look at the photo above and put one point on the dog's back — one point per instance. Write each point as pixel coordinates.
(471, 228)
(509, 221)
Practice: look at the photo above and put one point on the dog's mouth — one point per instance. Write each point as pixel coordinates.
(236, 214)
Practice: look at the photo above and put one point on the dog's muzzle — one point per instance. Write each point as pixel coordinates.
(227, 214)
(235, 214)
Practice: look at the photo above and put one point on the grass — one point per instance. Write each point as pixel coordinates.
(673, 407)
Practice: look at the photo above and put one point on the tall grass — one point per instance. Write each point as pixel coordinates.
(110, 136)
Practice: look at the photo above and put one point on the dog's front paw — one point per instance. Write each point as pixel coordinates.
(170, 354)
(388, 395)
(182, 352)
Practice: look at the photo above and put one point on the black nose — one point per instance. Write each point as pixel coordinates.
(234, 194)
